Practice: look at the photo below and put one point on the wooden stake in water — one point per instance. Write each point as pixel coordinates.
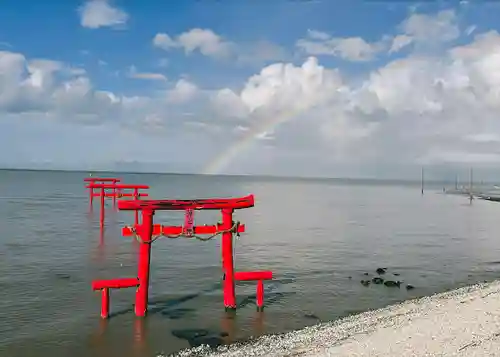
(470, 185)
(422, 182)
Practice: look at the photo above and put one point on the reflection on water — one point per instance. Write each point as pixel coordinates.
(319, 238)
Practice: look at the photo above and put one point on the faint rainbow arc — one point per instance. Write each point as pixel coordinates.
(221, 161)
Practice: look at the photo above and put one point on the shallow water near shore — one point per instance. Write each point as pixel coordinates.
(319, 237)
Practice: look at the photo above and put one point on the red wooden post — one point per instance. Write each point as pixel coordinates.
(260, 276)
(227, 259)
(141, 295)
(114, 196)
(103, 196)
(136, 212)
(105, 303)
(189, 222)
(105, 285)
(260, 296)
(91, 198)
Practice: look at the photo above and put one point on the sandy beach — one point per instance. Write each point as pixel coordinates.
(462, 322)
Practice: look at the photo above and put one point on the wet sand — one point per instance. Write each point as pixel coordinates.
(462, 322)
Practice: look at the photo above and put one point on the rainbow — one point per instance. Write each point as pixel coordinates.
(221, 161)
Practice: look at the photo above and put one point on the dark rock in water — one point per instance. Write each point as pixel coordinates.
(377, 280)
(365, 274)
(190, 333)
(349, 277)
(198, 337)
(391, 283)
(381, 270)
(63, 276)
(409, 287)
(365, 282)
(396, 274)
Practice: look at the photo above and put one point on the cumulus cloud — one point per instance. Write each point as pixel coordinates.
(30, 85)
(426, 108)
(182, 92)
(100, 13)
(205, 41)
(421, 30)
(351, 48)
(210, 44)
(286, 86)
(413, 110)
(227, 103)
(54, 90)
(427, 29)
(164, 41)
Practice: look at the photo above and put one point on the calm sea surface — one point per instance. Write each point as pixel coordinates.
(313, 234)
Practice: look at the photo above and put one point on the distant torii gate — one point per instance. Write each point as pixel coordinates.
(117, 192)
(99, 180)
(148, 232)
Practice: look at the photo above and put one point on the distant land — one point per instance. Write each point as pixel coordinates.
(431, 183)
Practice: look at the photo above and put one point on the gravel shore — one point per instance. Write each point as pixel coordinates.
(462, 322)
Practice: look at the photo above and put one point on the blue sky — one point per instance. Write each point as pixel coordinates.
(51, 29)
(226, 68)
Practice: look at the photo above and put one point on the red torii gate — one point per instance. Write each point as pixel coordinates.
(148, 232)
(99, 180)
(117, 192)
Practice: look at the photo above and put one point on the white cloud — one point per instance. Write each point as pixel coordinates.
(100, 13)
(182, 92)
(427, 29)
(351, 48)
(205, 41)
(259, 52)
(442, 27)
(210, 44)
(422, 30)
(284, 86)
(318, 35)
(228, 104)
(164, 41)
(399, 42)
(412, 109)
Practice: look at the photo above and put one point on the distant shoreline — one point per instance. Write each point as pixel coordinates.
(353, 180)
